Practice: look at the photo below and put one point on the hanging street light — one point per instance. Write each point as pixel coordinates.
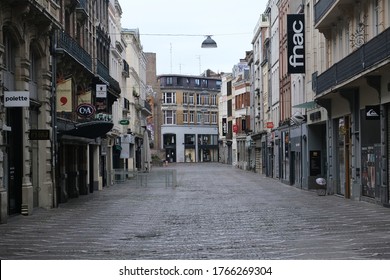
(209, 43)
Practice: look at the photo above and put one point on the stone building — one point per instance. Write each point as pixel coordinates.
(27, 140)
(189, 117)
(353, 87)
(60, 80)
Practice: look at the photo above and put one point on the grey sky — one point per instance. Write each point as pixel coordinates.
(230, 21)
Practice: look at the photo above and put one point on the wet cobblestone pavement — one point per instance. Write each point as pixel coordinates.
(215, 212)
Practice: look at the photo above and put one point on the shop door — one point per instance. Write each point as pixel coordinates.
(344, 157)
(15, 160)
(170, 154)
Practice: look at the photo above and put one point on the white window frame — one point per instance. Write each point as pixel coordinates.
(169, 117)
(169, 97)
(214, 117)
(199, 117)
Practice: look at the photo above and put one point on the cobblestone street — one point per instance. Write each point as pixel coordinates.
(215, 212)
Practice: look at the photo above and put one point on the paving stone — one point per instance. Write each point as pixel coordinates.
(215, 212)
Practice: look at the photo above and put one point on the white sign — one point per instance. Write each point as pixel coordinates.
(101, 91)
(16, 98)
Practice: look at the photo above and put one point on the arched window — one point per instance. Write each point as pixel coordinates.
(9, 61)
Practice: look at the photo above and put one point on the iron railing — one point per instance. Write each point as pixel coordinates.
(70, 45)
(320, 9)
(367, 56)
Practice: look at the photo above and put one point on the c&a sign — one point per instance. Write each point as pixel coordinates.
(85, 110)
(296, 43)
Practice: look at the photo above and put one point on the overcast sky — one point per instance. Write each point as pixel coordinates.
(231, 23)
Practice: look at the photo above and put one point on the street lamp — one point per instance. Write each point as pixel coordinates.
(209, 43)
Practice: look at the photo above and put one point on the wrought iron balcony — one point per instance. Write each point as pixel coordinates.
(365, 58)
(126, 69)
(69, 45)
(147, 106)
(103, 72)
(82, 10)
(321, 8)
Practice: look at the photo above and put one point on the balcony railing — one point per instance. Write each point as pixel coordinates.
(147, 106)
(67, 43)
(364, 58)
(320, 9)
(51, 7)
(103, 72)
(126, 69)
(82, 10)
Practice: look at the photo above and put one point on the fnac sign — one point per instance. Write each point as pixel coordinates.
(296, 43)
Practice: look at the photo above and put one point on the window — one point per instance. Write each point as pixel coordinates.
(169, 98)
(185, 98)
(206, 117)
(9, 57)
(219, 83)
(197, 82)
(199, 117)
(213, 117)
(191, 116)
(213, 100)
(189, 139)
(198, 99)
(169, 117)
(169, 81)
(191, 99)
(206, 100)
(185, 116)
(205, 83)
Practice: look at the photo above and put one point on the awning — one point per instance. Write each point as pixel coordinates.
(91, 130)
(306, 105)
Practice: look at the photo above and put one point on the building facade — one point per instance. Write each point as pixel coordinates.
(241, 104)
(137, 107)
(226, 120)
(189, 117)
(354, 90)
(27, 166)
(63, 82)
(333, 116)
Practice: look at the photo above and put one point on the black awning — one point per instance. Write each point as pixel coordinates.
(91, 130)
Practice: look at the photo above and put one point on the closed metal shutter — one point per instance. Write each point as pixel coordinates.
(258, 160)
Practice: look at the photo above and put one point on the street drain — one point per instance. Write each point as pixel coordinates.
(147, 235)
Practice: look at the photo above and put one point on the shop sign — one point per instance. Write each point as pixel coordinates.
(16, 99)
(270, 125)
(39, 134)
(64, 96)
(101, 91)
(296, 43)
(372, 112)
(224, 127)
(124, 122)
(85, 110)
